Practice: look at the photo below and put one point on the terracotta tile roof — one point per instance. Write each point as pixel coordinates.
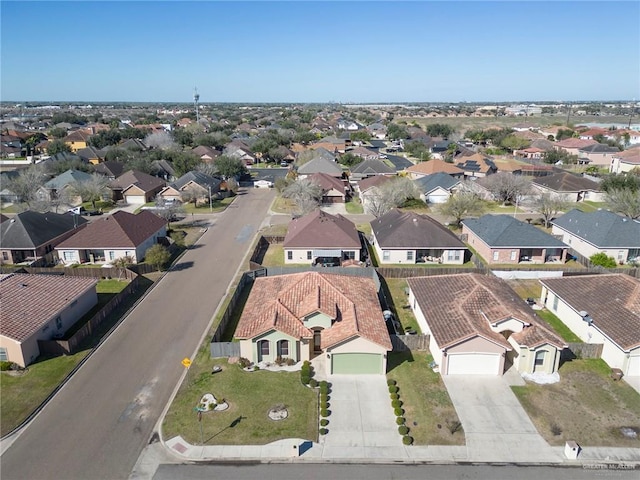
(281, 302)
(319, 229)
(328, 182)
(462, 306)
(435, 166)
(30, 301)
(612, 301)
(574, 143)
(629, 156)
(120, 230)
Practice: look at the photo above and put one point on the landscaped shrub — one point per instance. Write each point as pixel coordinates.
(399, 420)
(393, 389)
(5, 365)
(393, 396)
(407, 440)
(398, 412)
(391, 382)
(324, 397)
(403, 429)
(324, 431)
(244, 362)
(325, 413)
(324, 385)
(305, 380)
(313, 383)
(290, 361)
(324, 422)
(556, 429)
(396, 403)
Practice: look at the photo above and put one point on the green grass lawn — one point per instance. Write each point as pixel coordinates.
(21, 395)
(217, 206)
(429, 412)
(586, 406)
(364, 228)
(354, 206)
(532, 289)
(274, 256)
(588, 206)
(395, 292)
(250, 397)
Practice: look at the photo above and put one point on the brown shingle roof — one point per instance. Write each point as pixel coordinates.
(319, 229)
(30, 301)
(612, 301)
(328, 182)
(142, 180)
(462, 306)
(435, 166)
(567, 182)
(281, 303)
(375, 181)
(120, 230)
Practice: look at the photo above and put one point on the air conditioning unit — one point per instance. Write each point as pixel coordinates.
(586, 317)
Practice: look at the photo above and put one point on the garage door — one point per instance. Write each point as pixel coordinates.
(135, 199)
(473, 364)
(633, 370)
(350, 363)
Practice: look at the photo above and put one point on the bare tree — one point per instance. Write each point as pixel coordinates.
(26, 185)
(624, 201)
(91, 190)
(461, 205)
(390, 195)
(548, 205)
(160, 140)
(305, 194)
(505, 187)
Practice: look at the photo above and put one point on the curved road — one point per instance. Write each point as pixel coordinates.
(97, 425)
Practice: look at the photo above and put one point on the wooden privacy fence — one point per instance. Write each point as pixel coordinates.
(583, 350)
(402, 343)
(111, 272)
(408, 272)
(225, 349)
(246, 278)
(70, 345)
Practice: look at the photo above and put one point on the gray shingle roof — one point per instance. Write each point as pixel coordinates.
(506, 231)
(320, 165)
(397, 229)
(372, 167)
(200, 178)
(566, 182)
(65, 178)
(601, 228)
(29, 230)
(429, 183)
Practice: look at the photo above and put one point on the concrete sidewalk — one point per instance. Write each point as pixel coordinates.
(299, 450)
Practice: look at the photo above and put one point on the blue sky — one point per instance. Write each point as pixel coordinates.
(319, 51)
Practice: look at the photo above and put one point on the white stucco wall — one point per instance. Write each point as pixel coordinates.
(400, 256)
(587, 249)
(299, 256)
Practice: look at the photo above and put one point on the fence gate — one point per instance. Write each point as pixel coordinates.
(225, 349)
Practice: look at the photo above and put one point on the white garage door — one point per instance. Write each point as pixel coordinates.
(633, 370)
(134, 199)
(473, 364)
(437, 198)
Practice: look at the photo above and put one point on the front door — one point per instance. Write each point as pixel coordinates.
(316, 341)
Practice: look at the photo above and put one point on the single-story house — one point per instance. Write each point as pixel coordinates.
(114, 236)
(136, 187)
(598, 154)
(408, 237)
(320, 238)
(436, 188)
(55, 188)
(601, 231)
(478, 326)
(40, 307)
(573, 145)
(569, 187)
(602, 309)
(505, 239)
(32, 236)
(194, 186)
(370, 168)
(320, 165)
(430, 167)
(304, 315)
(334, 189)
(476, 165)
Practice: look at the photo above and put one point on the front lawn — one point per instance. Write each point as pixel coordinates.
(354, 206)
(22, 394)
(429, 413)
(586, 406)
(250, 397)
(274, 256)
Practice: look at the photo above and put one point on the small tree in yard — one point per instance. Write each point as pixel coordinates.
(602, 260)
(157, 255)
(121, 263)
(548, 206)
(460, 206)
(505, 187)
(390, 195)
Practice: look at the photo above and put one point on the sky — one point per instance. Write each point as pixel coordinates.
(327, 51)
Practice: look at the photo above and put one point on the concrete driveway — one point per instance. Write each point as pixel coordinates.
(361, 416)
(496, 427)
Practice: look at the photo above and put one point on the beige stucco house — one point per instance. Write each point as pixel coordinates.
(301, 316)
(477, 326)
(39, 307)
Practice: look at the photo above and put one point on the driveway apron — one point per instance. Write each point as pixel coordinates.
(496, 426)
(361, 413)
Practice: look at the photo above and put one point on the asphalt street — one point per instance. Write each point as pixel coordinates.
(99, 422)
(389, 472)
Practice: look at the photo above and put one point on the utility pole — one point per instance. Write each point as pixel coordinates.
(210, 201)
(568, 113)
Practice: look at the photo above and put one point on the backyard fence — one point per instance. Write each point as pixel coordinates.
(71, 345)
(111, 272)
(409, 272)
(225, 349)
(402, 343)
(582, 350)
(246, 278)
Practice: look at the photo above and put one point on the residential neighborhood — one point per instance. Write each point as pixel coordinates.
(380, 260)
